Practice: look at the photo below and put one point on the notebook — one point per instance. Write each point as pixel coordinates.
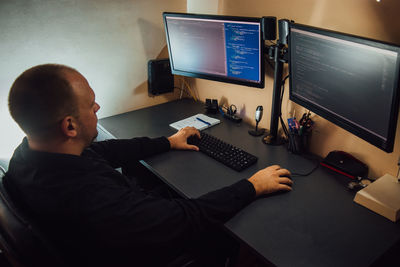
(199, 121)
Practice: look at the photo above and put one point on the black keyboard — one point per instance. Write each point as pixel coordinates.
(225, 153)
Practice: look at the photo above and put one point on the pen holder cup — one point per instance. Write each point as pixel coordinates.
(298, 143)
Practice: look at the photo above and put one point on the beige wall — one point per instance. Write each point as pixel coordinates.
(202, 6)
(366, 18)
(109, 42)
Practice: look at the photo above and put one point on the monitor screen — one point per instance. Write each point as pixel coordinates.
(349, 80)
(221, 48)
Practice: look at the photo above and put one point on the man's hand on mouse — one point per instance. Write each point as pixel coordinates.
(271, 179)
(179, 139)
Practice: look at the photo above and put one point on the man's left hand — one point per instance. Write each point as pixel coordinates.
(179, 139)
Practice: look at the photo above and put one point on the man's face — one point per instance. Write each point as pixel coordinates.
(87, 120)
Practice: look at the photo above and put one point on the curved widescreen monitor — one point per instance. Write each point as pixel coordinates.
(349, 80)
(220, 48)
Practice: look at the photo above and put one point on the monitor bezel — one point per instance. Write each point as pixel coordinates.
(387, 145)
(218, 78)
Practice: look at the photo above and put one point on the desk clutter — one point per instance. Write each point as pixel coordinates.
(345, 164)
(298, 133)
(212, 107)
(199, 121)
(382, 196)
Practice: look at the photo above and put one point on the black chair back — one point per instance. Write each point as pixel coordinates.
(20, 240)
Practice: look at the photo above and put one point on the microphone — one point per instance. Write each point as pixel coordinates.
(259, 113)
(258, 117)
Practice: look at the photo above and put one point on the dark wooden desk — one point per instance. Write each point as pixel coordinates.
(317, 224)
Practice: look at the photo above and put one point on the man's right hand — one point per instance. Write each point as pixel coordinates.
(179, 139)
(271, 179)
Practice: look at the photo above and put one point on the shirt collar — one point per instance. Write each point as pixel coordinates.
(50, 160)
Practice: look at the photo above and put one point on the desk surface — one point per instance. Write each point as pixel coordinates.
(317, 224)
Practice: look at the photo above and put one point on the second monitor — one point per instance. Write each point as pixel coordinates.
(221, 48)
(349, 80)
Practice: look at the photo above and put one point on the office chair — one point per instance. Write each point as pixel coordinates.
(25, 246)
(20, 241)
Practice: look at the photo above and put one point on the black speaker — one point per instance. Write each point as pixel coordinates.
(283, 25)
(269, 28)
(160, 80)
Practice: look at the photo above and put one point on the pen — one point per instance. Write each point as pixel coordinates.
(203, 121)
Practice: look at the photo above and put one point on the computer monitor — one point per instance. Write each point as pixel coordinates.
(220, 48)
(351, 81)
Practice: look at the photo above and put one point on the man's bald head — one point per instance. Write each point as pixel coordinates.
(40, 97)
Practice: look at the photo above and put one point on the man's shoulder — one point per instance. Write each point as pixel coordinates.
(33, 167)
(53, 183)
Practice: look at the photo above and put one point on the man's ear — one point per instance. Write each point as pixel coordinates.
(69, 126)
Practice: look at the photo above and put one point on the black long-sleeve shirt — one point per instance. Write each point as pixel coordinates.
(99, 217)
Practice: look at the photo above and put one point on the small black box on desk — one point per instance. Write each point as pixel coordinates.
(344, 163)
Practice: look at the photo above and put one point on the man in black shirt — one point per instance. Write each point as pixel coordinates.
(94, 214)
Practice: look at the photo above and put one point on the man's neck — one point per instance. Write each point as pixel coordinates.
(62, 146)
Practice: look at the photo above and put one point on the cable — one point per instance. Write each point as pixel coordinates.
(283, 86)
(398, 169)
(285, 130)
(269, 62)
(273, 43)
(232, 109)
(295, 174)
(181, 91)
(189, 88)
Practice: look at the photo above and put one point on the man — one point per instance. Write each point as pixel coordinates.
(95, 215)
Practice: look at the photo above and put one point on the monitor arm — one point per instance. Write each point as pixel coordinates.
(279, 54)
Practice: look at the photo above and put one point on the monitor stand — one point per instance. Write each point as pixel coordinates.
(273, 137)
(382, 196)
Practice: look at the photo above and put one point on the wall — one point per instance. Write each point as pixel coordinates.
(202, 6)
(366, 18)
(109, 42)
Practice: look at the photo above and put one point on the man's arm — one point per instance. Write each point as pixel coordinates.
(123, 152)
(265, 181)
(143, 221)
